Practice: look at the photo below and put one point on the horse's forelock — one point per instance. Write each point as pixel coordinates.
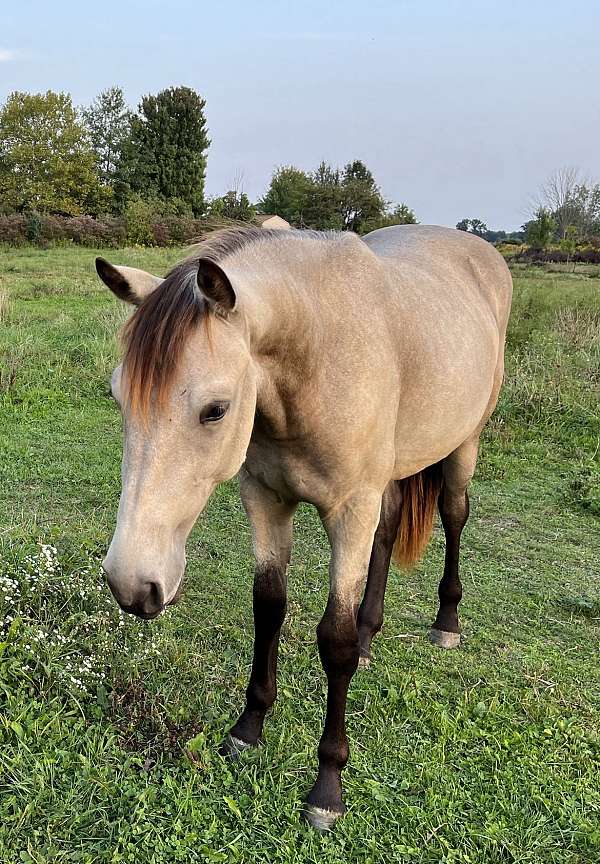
(154, 337)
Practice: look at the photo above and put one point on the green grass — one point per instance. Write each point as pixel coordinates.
(109, 727)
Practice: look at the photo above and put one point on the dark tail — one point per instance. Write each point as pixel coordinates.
(419, 499)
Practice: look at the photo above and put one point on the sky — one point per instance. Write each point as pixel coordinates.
(461, 109)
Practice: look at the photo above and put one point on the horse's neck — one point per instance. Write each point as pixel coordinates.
(283, 329)
(277, 299)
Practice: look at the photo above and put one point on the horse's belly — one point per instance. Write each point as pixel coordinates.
(440, 414)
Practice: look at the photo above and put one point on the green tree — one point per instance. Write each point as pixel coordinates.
(108, 121)
(165, 155)
(233, 205)
(327, 199)
(288, 195)
(361, 200)
(478, 227)
(540, 230)
(323, 209)
(401, 214)
(46, 161)
(569, 242)
(473, 226)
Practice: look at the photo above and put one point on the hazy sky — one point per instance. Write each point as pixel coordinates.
(461, 108)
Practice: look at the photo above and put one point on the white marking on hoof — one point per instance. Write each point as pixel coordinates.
(443, 638)
(234, 747)
(319, 818)
(239, 744)
(364, 662)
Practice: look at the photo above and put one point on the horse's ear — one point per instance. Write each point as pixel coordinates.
(215, 287)
(128, 283)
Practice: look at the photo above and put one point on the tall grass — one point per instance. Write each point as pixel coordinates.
(4, 302)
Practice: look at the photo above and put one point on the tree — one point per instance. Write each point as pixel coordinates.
(347, 200)
(473, 226)
(540, 230)
(288, 195)
(559, 197)
(46, 161)
(401, 214)
(108, 121)
(165, 155)
(478, 227)
(361, 200)
(323, 209)
(233, 205)
(569, 242)
(586, 210)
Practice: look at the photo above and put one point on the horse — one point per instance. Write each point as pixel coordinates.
(355, 374)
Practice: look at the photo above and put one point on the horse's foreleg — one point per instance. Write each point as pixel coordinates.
(271, 521)
(370, 614)
(351, 535)
(458, 469)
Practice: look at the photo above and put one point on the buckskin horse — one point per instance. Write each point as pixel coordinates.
(354, 374)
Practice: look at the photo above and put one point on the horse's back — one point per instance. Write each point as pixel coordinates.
(441, 259)
(448, 303)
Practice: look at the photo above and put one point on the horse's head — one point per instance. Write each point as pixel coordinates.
(187, 392)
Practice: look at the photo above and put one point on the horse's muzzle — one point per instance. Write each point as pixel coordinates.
(147, 602)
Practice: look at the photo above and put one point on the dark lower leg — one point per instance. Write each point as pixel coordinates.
(338, 648)
(269, 601)
(370, 614)
(454, 512)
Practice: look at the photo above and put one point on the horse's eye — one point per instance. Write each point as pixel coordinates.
(214, 413)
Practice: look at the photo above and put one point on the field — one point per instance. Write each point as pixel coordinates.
(109, 727)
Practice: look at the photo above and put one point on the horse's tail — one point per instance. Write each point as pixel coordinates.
(419, 498)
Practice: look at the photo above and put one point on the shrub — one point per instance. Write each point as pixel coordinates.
(34, 227)
(13, 229)
(139, 215)
(558, 256)
(145, 223)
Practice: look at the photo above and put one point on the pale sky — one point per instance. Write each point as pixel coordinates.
(460, 108)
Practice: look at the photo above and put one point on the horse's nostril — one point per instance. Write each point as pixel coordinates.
(154, 601)
(145, 602)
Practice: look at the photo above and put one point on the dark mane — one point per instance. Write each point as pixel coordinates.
(156, 333)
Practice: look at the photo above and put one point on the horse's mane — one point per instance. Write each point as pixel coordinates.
(155, 335)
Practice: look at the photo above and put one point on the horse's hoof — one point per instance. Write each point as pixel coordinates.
(319, 818)
(233, 747)
(443, 638)
(364, 661)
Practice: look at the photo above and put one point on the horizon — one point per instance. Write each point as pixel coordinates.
(387, 85)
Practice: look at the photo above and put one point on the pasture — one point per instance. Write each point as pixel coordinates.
(109, 727)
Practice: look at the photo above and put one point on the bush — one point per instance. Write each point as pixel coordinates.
(145, 223)
(139, 215)
(13, 229)
(586, 255)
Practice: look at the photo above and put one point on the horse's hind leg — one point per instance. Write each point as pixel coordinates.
(370, 614)
(458, 469)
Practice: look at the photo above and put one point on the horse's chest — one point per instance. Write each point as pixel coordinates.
(283, 469)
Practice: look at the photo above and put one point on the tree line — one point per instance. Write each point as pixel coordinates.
(105, 158)
(565, 213)
(145, 170)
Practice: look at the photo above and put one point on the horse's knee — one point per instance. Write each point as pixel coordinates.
(337, 637)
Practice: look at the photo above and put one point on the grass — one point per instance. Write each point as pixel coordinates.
(109, 727)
